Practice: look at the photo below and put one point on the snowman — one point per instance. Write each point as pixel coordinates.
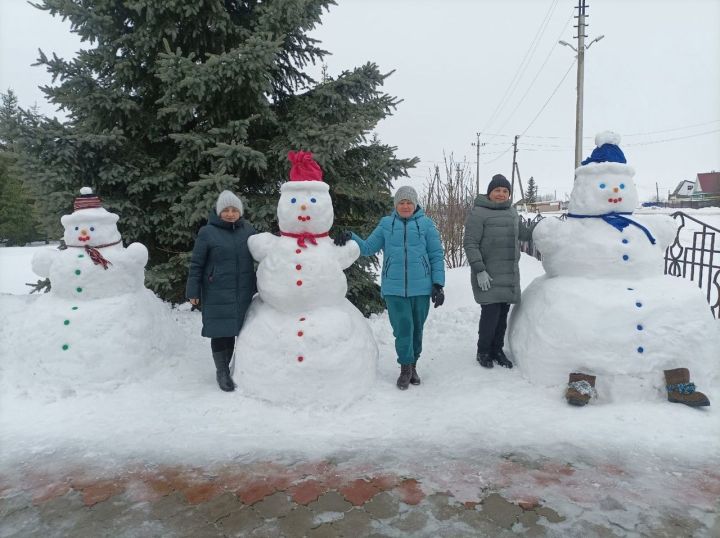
(604, 311)
(98, 326)
(303, 341)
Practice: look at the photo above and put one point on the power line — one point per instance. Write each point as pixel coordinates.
(673, 129)
(671, 139)
(516, 78)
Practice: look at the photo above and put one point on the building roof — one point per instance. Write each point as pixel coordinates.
(709, 182)
(684, 188)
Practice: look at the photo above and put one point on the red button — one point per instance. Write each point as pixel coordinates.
(298, 267)
(301, 358)
(302, 319)
(300, 333)
(299, 282)
(298, 251)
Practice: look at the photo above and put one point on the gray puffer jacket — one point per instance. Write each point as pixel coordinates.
(492, 230)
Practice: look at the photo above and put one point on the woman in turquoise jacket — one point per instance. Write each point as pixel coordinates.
(413, 273)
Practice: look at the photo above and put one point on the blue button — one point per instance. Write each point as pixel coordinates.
(625, 241)
(640, 327)
(631, 289)
(626, 257)
(638, 304)
(640, 349)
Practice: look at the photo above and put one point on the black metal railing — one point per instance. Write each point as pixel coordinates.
(694, 255)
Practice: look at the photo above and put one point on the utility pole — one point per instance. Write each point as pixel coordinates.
(657, 193)
(477, 145)
(514, 165)
(581, 48)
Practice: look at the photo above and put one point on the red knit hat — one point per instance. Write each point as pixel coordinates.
(303, 167)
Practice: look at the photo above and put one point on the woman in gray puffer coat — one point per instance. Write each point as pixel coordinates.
(492, 230)
(222, 279)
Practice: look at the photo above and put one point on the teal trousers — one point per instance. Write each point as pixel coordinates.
(407, 317)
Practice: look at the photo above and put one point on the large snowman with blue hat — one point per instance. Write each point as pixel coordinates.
(604, 313)
(303, 343)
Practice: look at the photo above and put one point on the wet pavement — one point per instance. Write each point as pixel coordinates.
(509, 496)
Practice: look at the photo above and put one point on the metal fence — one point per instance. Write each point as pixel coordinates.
(694, 254)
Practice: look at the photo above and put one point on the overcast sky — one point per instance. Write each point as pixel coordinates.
(486, 66)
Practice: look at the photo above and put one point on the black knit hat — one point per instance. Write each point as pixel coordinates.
(498, 180)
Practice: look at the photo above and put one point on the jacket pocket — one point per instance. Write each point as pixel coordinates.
(387, 266)
(211, 275)
(426, 265)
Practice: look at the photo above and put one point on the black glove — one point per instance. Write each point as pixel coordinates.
(342, 238)
(438, 295)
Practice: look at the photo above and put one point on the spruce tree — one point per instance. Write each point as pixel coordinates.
(531, 192)
(177, 100)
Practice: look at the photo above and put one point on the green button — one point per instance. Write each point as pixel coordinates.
(79, 290)
(77, 271)
(74, 307)
(66, 322)
(65, 347)
(81, 255)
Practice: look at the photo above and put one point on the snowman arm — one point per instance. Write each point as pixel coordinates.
(261, 244)
(471, 242)
(347, 254)
(198, 259)
(373, 244)
(139, 253)
(42, 260)
(436, 254)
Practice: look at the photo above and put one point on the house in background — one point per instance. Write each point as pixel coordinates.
(683, 191)
(707, 187)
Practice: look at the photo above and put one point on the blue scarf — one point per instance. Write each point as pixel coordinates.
(616, 220)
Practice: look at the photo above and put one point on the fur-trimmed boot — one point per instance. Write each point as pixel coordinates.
(403, 381)
(414, 377)
(222, 367)
(681, 390)
(581, 387)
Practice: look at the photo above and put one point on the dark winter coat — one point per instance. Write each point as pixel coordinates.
(222, 275)
(413, 258)
(491, 244)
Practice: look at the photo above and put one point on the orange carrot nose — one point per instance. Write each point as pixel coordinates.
(83, 232)
(616, 189)
(303, 207)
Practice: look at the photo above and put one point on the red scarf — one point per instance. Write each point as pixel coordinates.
(302, 237)
(95, 255)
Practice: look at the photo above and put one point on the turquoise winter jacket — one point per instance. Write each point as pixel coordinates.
(413, 258)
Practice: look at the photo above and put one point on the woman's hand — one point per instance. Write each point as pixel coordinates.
(342, 238)
(194, 302)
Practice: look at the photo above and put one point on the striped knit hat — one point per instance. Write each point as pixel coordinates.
(86, 200)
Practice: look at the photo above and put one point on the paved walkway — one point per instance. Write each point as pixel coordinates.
(510, 497)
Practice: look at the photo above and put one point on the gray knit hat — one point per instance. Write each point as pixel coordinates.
(406, 192)
(498, 180)
(228, 199)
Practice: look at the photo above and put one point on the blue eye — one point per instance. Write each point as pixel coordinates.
(602, 185)
(92, 228)
(293, 200)
(622, 185)
(76, 228)
(313, 200)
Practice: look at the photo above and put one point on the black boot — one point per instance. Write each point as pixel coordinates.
(222, 365)
(484, 359)
(414, 377)
(501, 359)
(405, 374)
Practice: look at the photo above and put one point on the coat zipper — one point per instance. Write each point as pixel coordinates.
(405, 251)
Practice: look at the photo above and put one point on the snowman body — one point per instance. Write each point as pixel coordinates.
(99, 325)
(604, 306)
(302, 341)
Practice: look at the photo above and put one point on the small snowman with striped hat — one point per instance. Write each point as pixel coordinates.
(95, 263)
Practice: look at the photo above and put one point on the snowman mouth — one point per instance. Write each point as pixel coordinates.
(84, 238)
(614, 200)
(303, 218)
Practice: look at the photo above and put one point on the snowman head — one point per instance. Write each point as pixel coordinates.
(90, 224)
(604, 183)
(305, 205)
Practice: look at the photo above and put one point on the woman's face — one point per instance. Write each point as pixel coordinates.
(499, 194)
(230, 214)
(405, 208)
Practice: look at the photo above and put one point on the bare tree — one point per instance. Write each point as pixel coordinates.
(447, 201)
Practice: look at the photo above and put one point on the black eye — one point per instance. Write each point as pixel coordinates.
(76, 228)
(92, 228)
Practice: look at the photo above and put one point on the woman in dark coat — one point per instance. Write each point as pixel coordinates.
(222, 279)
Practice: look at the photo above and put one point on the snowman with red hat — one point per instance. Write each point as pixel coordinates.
(302, 340)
